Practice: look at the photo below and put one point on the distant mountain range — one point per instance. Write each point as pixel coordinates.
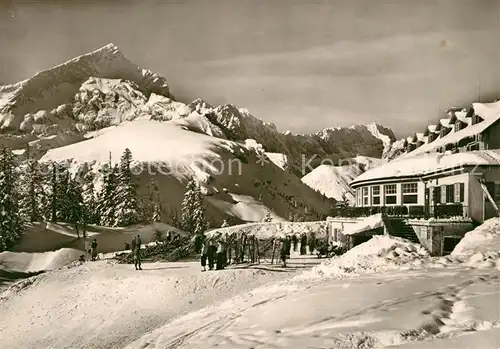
(101, 102)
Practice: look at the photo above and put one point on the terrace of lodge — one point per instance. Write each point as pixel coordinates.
(455, 210)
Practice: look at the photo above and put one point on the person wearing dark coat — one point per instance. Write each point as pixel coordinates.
(204, 254)
(284, 251)
(220, 256)
(93, 249)
(303, 244)
(312, 243)
(136, 252)
(288, 246)
(211, 254)
(198, 243)
(295, 242)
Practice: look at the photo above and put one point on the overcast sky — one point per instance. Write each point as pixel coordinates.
(304, 65)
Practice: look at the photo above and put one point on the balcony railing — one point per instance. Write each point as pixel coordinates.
(409, 211)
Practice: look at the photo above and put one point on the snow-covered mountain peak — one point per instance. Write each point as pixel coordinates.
(52, 87)
(201, 106)
(383, 133)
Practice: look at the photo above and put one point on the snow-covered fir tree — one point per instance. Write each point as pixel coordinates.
(63, 201)
(90, 214)
(53, 191)
(175, 219)
(344, 201)
(106, 198)
(188, 207)
(267, 217)
(193, 210)
(201, 222)
(32, 200)
(157, 213)
(74, 204)
(127, 208)
(152, 209)
(11, 223)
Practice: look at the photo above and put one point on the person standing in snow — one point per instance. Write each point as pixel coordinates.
(225, 247)
(198, 243)
(211, 254)
(295, 242)
(93, 249)
(204, 254)
(136, 252)
(312, 243)
(303, 243)
(284, 251)
(220, 255)
(288, 242)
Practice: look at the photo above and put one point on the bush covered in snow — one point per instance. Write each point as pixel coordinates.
(171, 251)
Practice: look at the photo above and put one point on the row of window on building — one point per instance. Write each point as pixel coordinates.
(447, 194)
(372, 195)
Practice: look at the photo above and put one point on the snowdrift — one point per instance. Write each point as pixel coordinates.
(380, 253)
(481, 246)
(485, 237)
(34, 262)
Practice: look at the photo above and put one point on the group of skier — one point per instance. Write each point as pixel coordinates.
(134, 247)
(214, 249)
(293, 241)
(214, 252)
(91, 249)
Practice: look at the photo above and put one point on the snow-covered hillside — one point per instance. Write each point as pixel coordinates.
(333, 181)
(174, 151)
(100, 102)
(415, 301)
(279, 159)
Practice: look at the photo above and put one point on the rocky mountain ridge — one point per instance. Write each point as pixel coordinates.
(59, 106)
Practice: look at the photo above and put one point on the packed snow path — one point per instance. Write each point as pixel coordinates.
(104, 305)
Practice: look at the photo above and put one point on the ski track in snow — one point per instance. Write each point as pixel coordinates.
(248, 321)
(103, 305)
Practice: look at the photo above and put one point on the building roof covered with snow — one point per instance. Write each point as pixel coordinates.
(489, 113)
(427, 164)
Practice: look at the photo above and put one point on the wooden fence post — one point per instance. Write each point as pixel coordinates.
(243, 246)
(258, 252)
(274, 250)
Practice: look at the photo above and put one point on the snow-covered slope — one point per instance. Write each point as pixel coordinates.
(414, 301)
(333, 181)
(174, 151)
(187, 154)
(279, 159)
